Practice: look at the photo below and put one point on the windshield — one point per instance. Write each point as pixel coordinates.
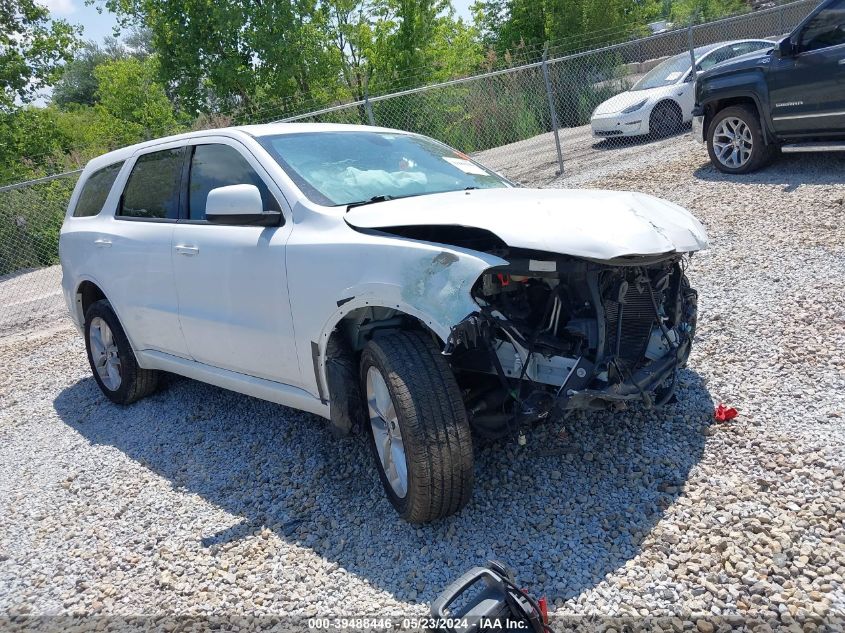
(341, 168)
(666, 73)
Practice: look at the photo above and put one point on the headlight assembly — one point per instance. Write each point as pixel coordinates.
(634, 107)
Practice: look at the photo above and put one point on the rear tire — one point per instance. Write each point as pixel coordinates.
(418, 406)
(735, 141)
(112, 360)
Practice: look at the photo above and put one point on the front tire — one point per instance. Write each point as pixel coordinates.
(665, 120)
(112, 360)
(419, 433)
(735, 141)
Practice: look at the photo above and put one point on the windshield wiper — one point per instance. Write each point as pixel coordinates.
(373, 200)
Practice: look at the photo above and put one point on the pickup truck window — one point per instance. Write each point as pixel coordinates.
(825, 30)
(152, 191)
(217, 165)
(96, 190)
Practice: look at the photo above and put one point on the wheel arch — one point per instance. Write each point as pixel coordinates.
(87, 292)
(665, 102)
(712, 108)
(336, 357)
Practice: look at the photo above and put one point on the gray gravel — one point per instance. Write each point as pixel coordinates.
(31, 299)
(200, 501)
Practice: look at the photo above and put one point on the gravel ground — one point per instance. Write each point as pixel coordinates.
(200, 501)
(31, 298)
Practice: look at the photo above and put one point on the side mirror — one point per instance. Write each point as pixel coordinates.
(238, 204)
(786, 47)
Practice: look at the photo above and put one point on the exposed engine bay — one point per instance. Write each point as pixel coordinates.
(563, 333)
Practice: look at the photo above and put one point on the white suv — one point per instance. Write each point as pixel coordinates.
(378, 279)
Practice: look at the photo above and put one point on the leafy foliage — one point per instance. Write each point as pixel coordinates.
(704, 10)
(32, 49)
(516, 26)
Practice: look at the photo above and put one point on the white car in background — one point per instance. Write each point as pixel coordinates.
(662, 100)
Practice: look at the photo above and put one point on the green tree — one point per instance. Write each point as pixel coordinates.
(32, 49)
(262, 57)
(522, 27)
(78, 84)
(704, 10)
(129, 91)
(421, 41)
(235, 54)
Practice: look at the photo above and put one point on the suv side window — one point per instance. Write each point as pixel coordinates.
(154, 185)
(95, 191)
(219, 165)
(825, 30)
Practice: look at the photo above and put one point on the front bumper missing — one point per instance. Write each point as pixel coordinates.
(638, 387)
(646, 384)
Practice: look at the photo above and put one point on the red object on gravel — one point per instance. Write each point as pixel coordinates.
(725, 414)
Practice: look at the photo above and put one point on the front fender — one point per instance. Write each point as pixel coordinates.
(747, 84)
(328, 279)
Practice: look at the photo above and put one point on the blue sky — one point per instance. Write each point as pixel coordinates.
(99, 26)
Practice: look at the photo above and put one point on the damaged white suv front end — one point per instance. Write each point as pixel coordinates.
(381, 280)
(588, 308)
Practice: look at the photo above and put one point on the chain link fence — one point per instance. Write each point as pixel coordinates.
(31, 215)
(571, 116)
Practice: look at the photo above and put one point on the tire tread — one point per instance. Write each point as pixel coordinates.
(435, 430)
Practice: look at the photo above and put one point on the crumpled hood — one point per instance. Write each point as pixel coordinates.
(587, 223)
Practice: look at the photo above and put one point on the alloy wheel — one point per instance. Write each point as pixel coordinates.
(386, 432)
(105, 353)
(733, 142)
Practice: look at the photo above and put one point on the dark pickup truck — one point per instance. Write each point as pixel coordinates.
(789, 98)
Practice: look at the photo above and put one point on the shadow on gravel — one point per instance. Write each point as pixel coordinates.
(789, 170)
(572, 506)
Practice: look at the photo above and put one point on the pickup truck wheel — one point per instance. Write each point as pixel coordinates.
(111, 357)
(735, 141)
(419, 433)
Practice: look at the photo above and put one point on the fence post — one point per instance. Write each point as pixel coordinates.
(691, 42)
(551, 97)
(368, 107)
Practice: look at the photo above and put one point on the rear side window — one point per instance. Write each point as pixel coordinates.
(153, 187)
(95, 191)
(215, 166)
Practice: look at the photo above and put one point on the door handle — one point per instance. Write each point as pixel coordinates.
(185, 249)
(102, 242)
(842, 62)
